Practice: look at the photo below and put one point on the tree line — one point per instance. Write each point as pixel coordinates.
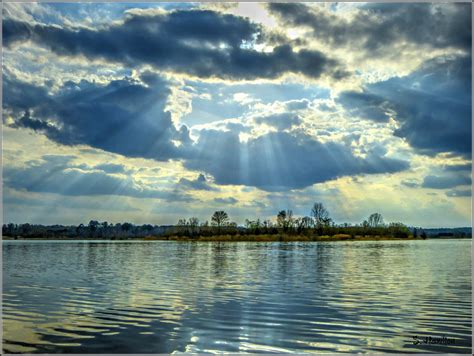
(94, 229)
(317, 223)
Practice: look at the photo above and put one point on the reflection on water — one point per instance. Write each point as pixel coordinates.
(164, 297)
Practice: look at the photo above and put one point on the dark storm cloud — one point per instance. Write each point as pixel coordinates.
(202, 43)
(15, 31)
(281, 161)
(432, 105)
(125, 116)
(379, 26)
(56, 174)
(22, 96)
(200, 183)
(36, 125)
(279, 121)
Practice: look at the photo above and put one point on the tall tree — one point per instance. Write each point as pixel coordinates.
(193, 222)
(306, 222)
(194, 225)
(127, 226)
(219, 218)
(182, 222)
(320, 215)
(281, 218)
(375, 220)
(285, 219)
(93, 225)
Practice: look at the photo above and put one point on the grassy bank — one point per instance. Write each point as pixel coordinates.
(276, 238)
(232, 238)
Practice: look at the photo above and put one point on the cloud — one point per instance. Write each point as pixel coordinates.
(15, 31)
(280, 160)
(227, 201)
(432, 105)
(236, 127)
(366, 105)
(280, 121)
(215, 99)
(125, 116)
(459, 193)
(201, 43)
(410, 183)
(112, 168)
(15, 198)
(449, 176)
(378, 27)
(292, 105)
(445, 181)
(457, 167)
(57, 174)
(326, 107)
(200, 183)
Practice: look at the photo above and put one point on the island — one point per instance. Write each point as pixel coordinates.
(285, 227)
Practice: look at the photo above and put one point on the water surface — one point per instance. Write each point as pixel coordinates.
(165, 297)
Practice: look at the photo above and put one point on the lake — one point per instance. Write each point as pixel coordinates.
(165, 297)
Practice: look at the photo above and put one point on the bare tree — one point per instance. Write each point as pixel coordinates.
(290, 221)
(248, 223)
(193, 222)
(320, 215)
(267, 224)
(281, 218)
(193, 225)
(375, 220)
(307, 222)
(285, 219)
(219, 218)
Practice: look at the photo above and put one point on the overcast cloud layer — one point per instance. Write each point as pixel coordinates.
(194, 108)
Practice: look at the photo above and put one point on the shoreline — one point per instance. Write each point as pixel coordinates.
(236, 238)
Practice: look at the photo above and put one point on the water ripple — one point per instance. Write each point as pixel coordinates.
(165, 297)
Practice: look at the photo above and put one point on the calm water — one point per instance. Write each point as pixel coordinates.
(164, 297)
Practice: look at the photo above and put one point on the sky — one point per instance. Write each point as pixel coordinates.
(148, 113)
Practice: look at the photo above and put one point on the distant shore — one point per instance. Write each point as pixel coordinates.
(240, 238)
